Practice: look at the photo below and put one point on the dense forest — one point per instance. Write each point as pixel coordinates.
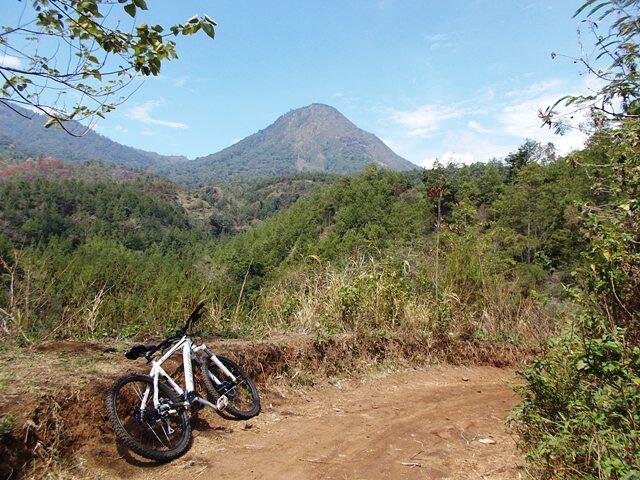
(504, 225)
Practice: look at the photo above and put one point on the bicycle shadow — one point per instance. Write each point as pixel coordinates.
(135, 460)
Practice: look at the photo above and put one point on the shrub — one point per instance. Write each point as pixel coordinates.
(580, 414)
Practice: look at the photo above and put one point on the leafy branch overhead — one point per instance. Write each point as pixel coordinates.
(612, 64)
(77, 59)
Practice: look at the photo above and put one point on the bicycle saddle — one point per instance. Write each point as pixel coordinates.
(138, 351)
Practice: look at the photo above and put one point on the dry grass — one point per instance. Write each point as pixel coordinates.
(315, 320)
(367, 297)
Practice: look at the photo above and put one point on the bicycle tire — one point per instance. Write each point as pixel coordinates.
(231, 408)
(128, 440)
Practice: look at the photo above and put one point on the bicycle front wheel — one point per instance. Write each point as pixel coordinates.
(159, 434)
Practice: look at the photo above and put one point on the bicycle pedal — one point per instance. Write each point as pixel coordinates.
(222, 403)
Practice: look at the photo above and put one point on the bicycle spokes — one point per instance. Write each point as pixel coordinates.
(158, 428)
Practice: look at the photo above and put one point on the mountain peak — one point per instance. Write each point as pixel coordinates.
(319, 106)
(314, 138)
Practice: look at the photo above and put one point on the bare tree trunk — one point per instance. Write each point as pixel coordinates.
(529, 242)
(438, 220)
(8, 314)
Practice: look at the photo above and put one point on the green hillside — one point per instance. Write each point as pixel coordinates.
(137, 213)
(380, 222)
(22, 138)
(238, 204)
(383, 213)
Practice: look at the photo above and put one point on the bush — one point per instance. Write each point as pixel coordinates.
(580, 415)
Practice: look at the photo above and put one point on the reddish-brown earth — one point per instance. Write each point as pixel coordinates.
(413, 424)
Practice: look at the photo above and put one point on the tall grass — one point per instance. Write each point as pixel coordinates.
(102, 289)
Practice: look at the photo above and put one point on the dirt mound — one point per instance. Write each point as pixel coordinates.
(345, 354)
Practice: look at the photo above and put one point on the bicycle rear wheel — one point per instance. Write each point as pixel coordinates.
(242, 395)
(159, 434)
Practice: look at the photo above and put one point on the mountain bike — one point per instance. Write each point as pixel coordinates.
(151, 414)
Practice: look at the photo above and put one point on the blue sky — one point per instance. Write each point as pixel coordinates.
(434, 79)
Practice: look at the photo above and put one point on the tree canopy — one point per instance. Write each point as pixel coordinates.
(77, 59)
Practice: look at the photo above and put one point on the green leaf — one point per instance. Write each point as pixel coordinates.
(130, 9)
(584, 5)
(208, 29)
(596, 8)
(141, 4)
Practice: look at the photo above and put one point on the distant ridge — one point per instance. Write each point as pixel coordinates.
(316, 138)
(22, 138)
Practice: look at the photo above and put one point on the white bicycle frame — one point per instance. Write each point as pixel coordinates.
(188, 353)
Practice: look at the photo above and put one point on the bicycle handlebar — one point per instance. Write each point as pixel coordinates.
(196, 314)
(149, 350)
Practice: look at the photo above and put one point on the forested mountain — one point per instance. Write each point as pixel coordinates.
(316, 138)
(382, 213)
(137, 213)
(22, 138)
(239, 204)
(49, 190)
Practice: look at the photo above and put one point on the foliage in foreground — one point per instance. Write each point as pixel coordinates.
(580, 416)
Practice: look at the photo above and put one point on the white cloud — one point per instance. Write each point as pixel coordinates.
(521, 120)
(148, 133)
(9, 61)
(180, 81)
(120, 128)
(438, 37)
(536, 88)
(476, 127)
(448, 158)
(487, 127)
(482, 148)
(142, 113)
(489, 94)
(424, 121)
(441, 40)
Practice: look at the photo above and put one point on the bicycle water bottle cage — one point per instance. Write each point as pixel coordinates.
(138, 351)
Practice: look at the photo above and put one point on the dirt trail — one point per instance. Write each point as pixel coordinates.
(422, 424)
